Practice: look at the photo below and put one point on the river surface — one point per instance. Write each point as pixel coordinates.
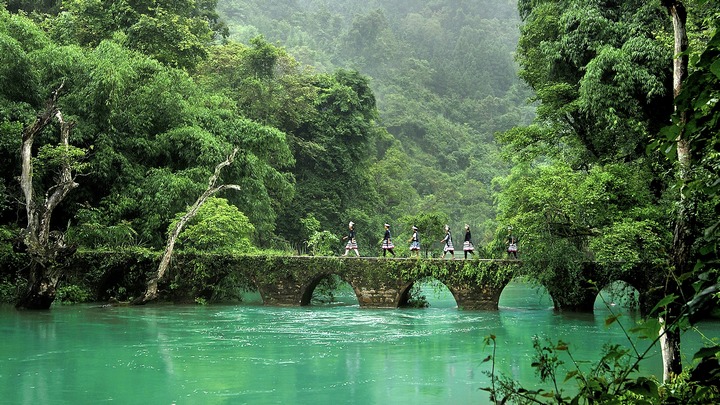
(323, 354)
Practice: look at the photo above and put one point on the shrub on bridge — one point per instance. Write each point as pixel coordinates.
(218, 227)
(478, 272)
(123, 274)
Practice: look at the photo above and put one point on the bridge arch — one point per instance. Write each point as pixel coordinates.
(404, 294)
(309, 288)
(522, 293)
(619, 293)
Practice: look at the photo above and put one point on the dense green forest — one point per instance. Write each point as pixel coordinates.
(445, 82)
(366, 119)
(146, 98)
(621, 163)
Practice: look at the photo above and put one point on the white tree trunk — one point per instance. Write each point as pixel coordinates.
(44, 274)
(682, 238)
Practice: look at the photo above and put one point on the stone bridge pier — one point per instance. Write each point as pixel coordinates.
(477, 297)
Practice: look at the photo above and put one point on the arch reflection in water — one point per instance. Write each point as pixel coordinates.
(326, 354)
(618, 295)
(522, 294)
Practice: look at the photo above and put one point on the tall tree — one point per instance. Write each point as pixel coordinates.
(596, 68)
(47, 249)
(685, 220)
(175, 33)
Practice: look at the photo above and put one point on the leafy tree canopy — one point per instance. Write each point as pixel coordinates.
(145, 164)
(174, 32)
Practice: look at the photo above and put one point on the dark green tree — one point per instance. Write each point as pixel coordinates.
(604, 78)
(175, 33)
(143, 164)
(330, 121)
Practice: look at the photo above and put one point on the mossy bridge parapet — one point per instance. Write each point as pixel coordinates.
(377, 282)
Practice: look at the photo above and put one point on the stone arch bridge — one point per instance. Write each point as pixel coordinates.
(385, 282)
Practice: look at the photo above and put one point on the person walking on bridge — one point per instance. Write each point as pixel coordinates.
(387, 244)
(468, 245)
(351, 243)
(511, 242)
(448, 243)
(415, 242)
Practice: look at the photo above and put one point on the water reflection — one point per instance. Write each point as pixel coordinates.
(254, 354)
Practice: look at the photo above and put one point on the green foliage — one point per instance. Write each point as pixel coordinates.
(93, 232)
(430, 228)
(597, 69)
(40, 6)
(102, 275)
(322, 243)
(73, 294)
(18, 80)
(606, 214)
(629, 242)
(697, 104)
(10, 262)
(583, 189)
(218, 227)
(121, 275)
(416, 297)
(324, 292)
(600, 72)
(696, 121)
(391, 177)
(174, 33)
(50, 157)
(146, 163)
(614, 378)
(8, 292)
(310, 226)
(444, 83)
(328, 119)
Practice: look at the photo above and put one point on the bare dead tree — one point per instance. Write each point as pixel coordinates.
(44, 247)
(151, 290)
(684, 222)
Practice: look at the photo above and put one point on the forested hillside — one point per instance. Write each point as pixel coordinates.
(113, 116)
(445, 82)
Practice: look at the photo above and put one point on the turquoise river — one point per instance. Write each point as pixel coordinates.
(322, 354)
